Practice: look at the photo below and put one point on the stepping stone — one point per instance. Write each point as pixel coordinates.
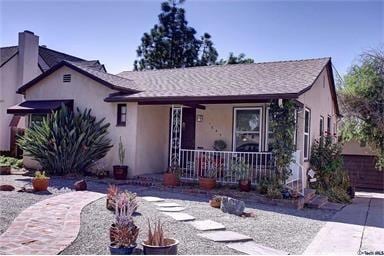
(252, 248)
(152, 199)
(167, 204)
(171, 209)
(180, 216)
(225, 236)
(205, 225)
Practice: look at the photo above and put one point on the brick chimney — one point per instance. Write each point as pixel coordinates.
(28, 56)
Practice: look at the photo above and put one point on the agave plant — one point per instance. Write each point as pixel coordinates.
(156, 236)
(66, 142)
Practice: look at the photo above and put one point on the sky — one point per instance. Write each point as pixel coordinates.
(264, 30)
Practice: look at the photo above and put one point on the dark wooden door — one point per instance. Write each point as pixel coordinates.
(188, 128)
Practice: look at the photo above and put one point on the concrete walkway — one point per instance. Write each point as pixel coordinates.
(48, 226)
(358, 227)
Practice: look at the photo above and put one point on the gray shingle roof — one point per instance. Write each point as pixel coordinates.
(114, 82)
(283, 77)
(49, 58)
(6, 53)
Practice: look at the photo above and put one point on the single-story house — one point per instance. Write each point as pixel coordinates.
(171, 115)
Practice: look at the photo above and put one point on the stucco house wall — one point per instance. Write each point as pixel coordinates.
(319, 100)
(152, 139)
(217, 124)
(88, 93)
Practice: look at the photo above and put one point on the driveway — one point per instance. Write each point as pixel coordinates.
(356, 229)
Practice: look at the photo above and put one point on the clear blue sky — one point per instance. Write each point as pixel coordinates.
(264, 30)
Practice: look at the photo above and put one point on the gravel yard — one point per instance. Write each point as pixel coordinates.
(280, 228)
(284, 229)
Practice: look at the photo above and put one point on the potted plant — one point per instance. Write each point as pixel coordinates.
(242, 171)
(171, 178)
(123, 233)
(207, 181)
(120, 171)
(157, 243)
(5, 169)
(40, 181)
(112, 192)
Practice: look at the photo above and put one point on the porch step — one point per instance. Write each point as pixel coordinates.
(317, 202)
(309, 194)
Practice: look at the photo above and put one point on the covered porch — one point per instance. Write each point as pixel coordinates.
(220, 137)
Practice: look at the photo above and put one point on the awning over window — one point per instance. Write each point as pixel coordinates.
(38, 106)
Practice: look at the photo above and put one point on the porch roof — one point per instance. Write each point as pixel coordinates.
(38, 106)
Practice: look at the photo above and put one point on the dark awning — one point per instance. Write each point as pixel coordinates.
(38, 106)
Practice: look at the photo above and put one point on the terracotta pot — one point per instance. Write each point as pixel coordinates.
(5, 170)
(215, 203)
(170, 179)
(170, 249)
(40, 184)
(120, 172)
(207, 183)
(245, 185)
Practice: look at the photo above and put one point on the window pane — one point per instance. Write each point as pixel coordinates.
(305, 146)
(247, 142)
(123, 118)
(37, 119)
(248, 120)
(123, 109)
(321, 126)
(306, 124)
(329, 125)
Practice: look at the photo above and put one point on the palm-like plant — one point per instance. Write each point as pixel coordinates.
(66, 142)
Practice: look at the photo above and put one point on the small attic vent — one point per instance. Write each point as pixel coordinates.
(67, 78)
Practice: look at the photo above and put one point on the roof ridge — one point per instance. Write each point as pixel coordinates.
(46, 48)
(226, 65)
(86, 67)
(12, 46)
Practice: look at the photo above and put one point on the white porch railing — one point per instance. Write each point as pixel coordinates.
(195, 163)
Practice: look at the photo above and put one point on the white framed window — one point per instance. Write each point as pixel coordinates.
(307, 130)
(321, 126)
(247, 129)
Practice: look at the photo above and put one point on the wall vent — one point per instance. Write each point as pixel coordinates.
(67, 78)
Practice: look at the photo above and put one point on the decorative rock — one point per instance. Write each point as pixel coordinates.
(232, 206)
(7, 188)
(80, 185)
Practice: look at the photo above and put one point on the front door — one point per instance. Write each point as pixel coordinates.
(188, 128)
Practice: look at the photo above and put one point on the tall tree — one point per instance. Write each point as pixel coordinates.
(172, 43)
(232, 59)
(362, 100)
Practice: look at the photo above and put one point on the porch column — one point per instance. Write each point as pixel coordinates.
(175, 135)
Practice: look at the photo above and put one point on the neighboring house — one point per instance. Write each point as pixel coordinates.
(360, 162)
(175, 115)
(19, 65)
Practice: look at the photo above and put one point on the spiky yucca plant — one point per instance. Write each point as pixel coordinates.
(66, 142)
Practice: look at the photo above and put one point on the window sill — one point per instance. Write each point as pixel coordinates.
(121, 125)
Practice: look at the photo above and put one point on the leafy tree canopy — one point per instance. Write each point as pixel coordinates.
(362, 99)
(173, 44)
(232, 59)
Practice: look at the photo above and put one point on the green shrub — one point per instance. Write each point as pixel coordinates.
(332, 180)
(11, 162)
(274, 192)
(66, 142)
